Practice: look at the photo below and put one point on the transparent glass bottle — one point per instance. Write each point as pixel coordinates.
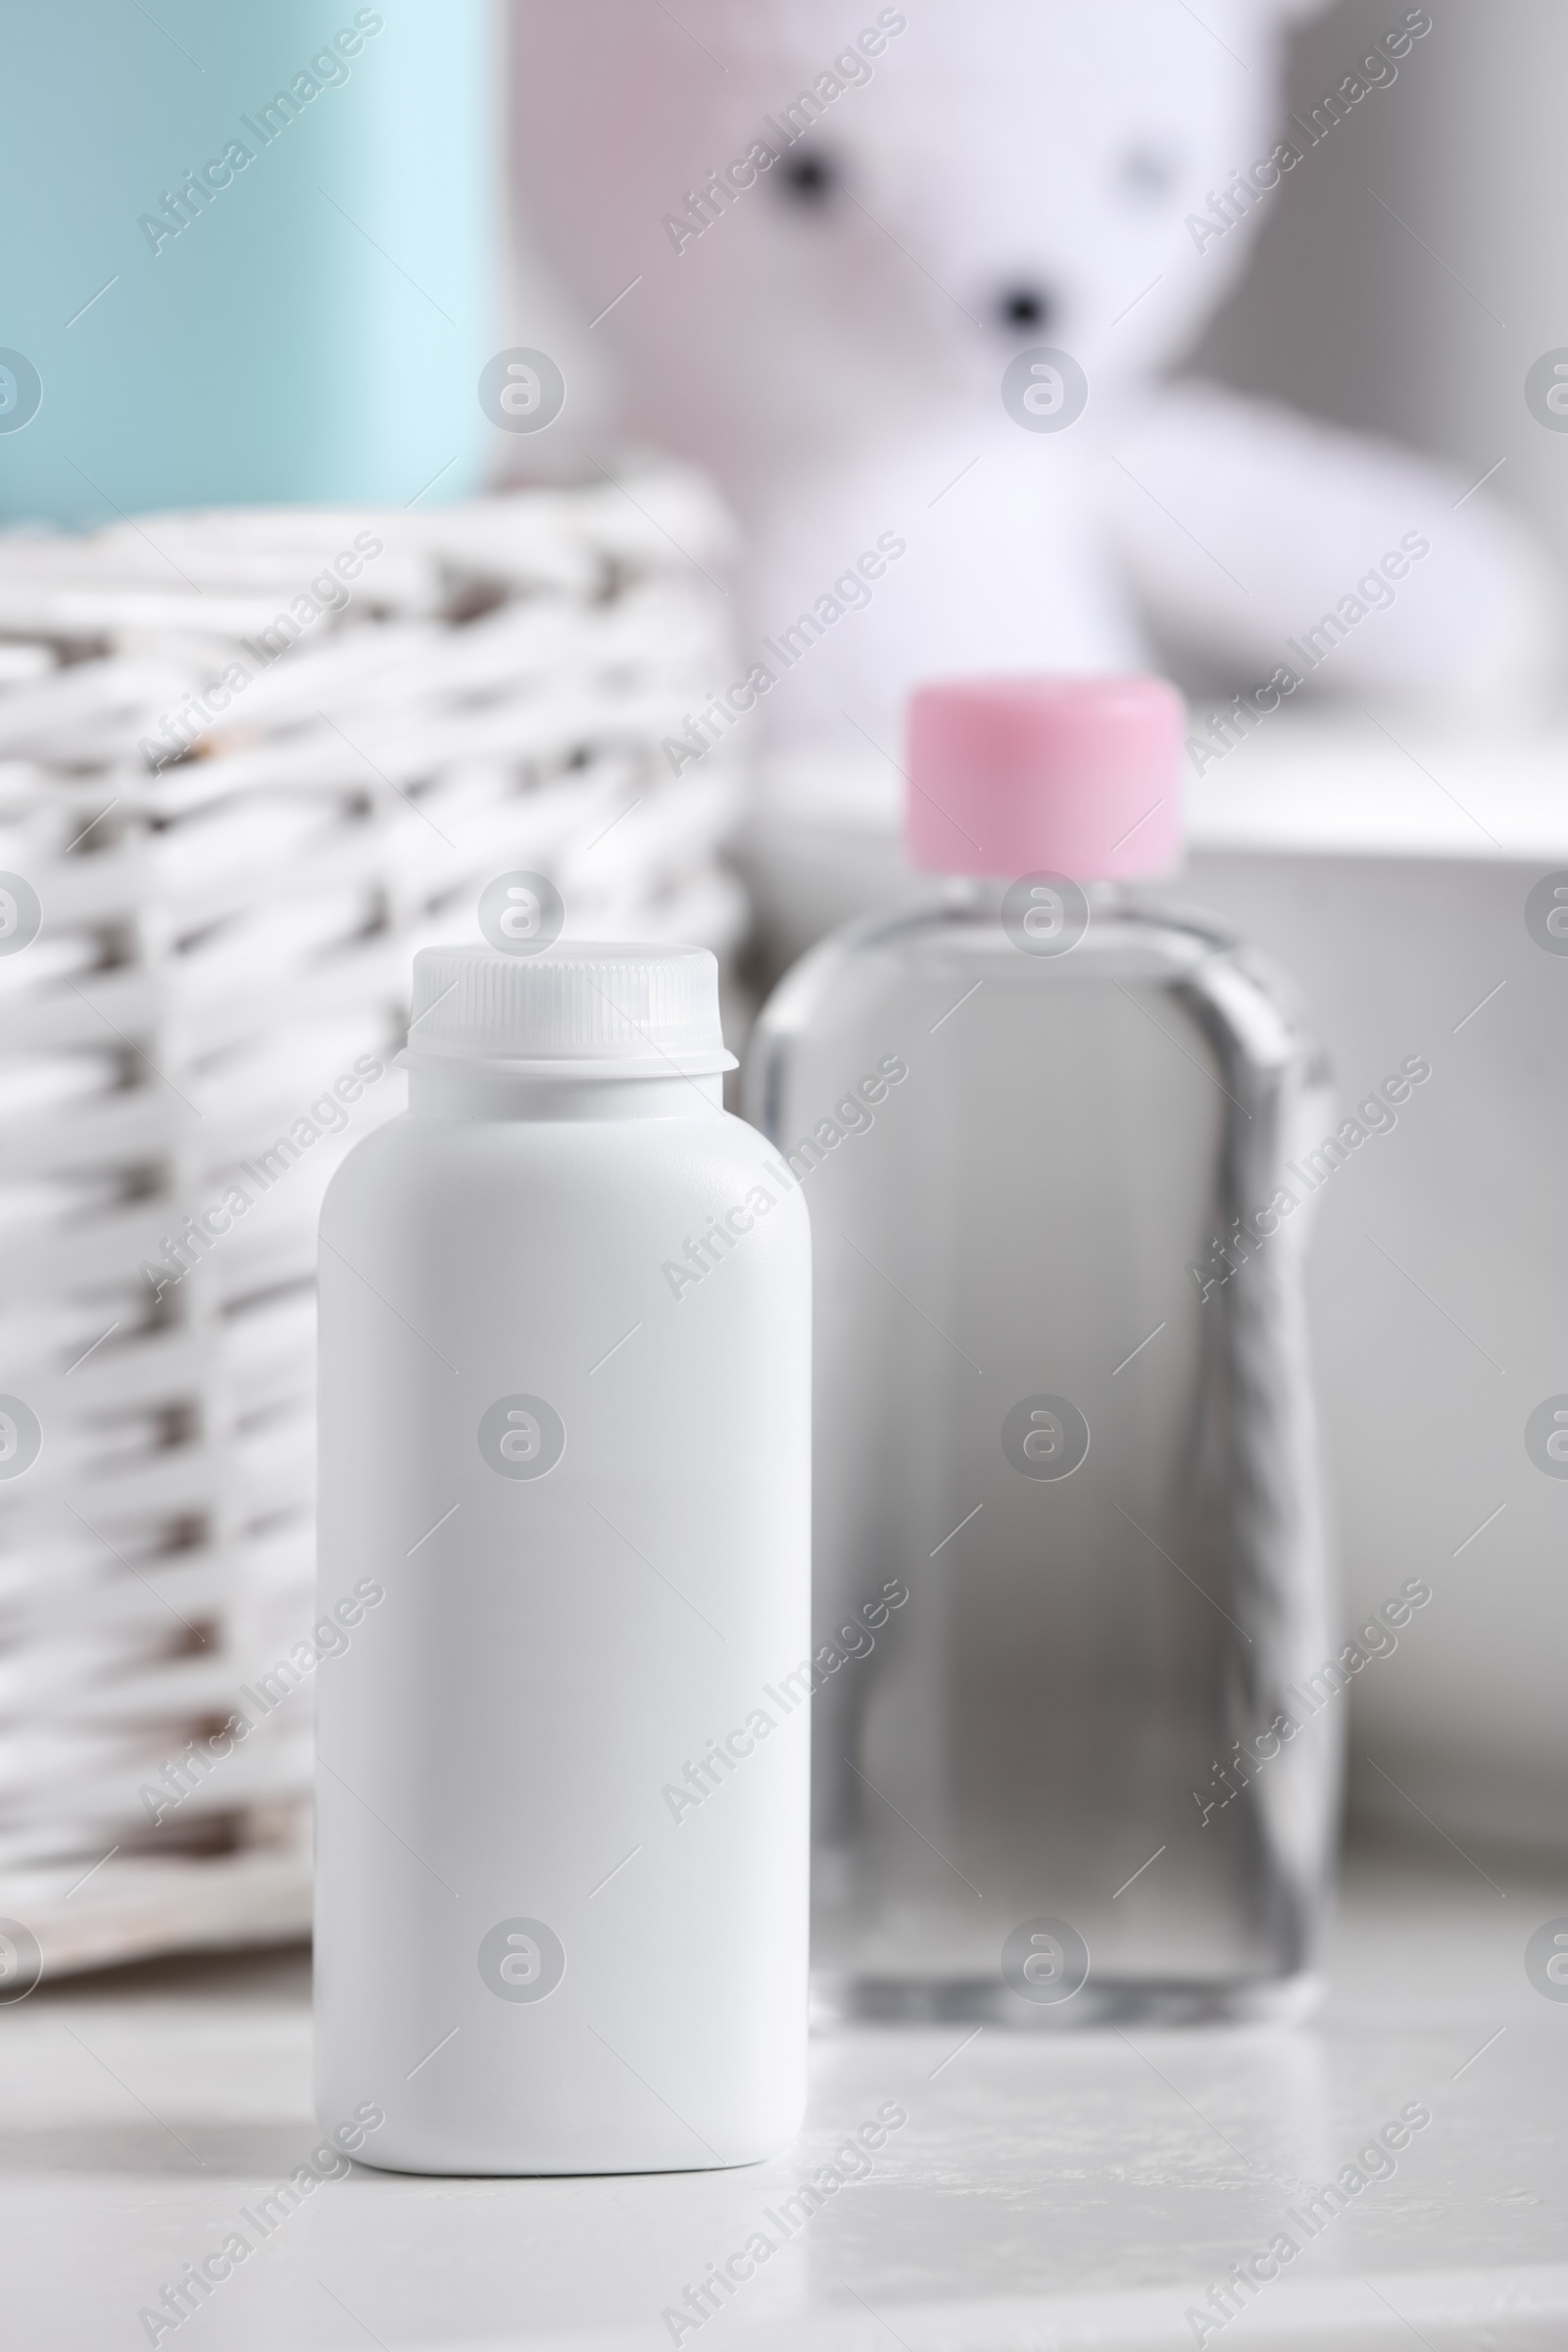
(1069, 1563)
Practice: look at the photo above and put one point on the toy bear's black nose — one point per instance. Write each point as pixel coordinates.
(1024, 306)
(811, 179)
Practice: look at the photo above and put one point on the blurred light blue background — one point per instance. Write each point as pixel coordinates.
(315, 330)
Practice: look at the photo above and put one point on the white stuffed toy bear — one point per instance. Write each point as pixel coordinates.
(907, 279)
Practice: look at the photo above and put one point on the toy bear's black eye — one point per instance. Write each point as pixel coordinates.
(1147, 172)
(810, 179)
(1025, 306)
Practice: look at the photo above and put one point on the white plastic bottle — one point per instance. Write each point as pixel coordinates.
(565, 1528)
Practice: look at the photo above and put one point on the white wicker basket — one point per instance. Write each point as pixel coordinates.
(236, 849)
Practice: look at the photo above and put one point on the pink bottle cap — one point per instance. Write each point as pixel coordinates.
(1075, 777)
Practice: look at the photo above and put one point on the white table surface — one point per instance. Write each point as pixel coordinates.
(1061, 2192)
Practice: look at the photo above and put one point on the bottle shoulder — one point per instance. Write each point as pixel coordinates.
(416, 1157)
(1112, 937)
(968, 949)
(1102, 931)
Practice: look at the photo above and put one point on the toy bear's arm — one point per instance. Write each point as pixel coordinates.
(1257, 538)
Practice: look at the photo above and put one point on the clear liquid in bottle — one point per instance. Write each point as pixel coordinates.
(1071, 1588)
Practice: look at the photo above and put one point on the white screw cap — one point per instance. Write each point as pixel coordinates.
(585, 1009)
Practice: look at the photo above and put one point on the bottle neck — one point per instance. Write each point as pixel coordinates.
(978, 894)
(464, 1093)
